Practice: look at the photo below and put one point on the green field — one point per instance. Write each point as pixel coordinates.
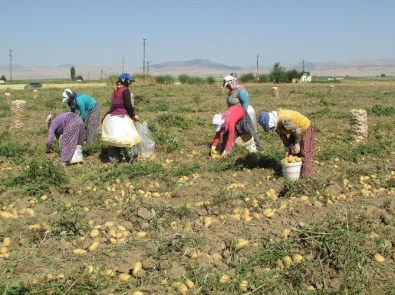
(197, 225)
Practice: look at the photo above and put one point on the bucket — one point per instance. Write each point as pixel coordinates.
(77, 157)
(246, 141)
(291, 171)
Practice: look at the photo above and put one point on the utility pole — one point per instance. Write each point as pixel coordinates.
(144, 57)
(257, 65)
(10, 64)
(123, 64)
(148, 61)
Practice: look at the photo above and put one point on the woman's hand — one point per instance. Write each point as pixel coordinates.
(296, 149)
(135, 118)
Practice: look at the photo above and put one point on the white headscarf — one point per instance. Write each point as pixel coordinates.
(218, 120)
(273, 119)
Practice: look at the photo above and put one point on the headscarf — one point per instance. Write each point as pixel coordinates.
(69, 97)
(49, 119)
(220, 122)
(217, 122)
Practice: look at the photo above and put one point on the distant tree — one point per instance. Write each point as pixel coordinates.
(72, 73)
(184, 79)
(293, 74)
(278, 74)
(3, 78)
(165, 79)
(79, 78)
(249, 77)
(210, 80)
(382, 76)
(263, 78)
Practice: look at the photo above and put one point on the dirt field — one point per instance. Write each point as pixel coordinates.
(183, 223)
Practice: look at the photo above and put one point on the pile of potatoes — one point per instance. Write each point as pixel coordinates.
(291, 159)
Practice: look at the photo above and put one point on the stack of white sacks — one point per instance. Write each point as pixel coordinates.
(17, 113)
(359, 125)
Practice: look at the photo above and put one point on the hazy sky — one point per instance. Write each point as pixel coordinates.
(107, 32)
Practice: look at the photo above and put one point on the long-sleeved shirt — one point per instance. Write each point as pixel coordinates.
(234, 115)
(83, 103)
(239, 96)
(121, 102)
(56, 127)
(291, 123)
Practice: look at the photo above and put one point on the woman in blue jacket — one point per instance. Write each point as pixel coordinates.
(89, 111)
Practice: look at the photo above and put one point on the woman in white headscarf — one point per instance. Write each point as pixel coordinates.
(238, 95)
(71, 128)
(231, 123)
(296, 132)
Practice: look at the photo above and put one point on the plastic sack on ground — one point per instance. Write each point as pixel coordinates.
(119, 131)
(146, 147)
(77, 157)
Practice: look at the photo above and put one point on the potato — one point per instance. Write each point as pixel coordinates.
(241, 243)
(3, 250)
(247, 218)
(297, 258)
(60, 276)
(124, 277)
(109, 272)
(6, 241)
(94, 233)
(286, 232)
(182, 288)
(287, 261)
(243, 285)
(195, 254)
(141, 234)
(189, 283)
(379, 258)
(269, 212)
(30, 212)
(94, 246)
(137, 266)
(224, 279)
(109, 224)
(207, 221)
(79, 251)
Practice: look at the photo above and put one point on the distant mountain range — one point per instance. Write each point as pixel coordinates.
(203, 68)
